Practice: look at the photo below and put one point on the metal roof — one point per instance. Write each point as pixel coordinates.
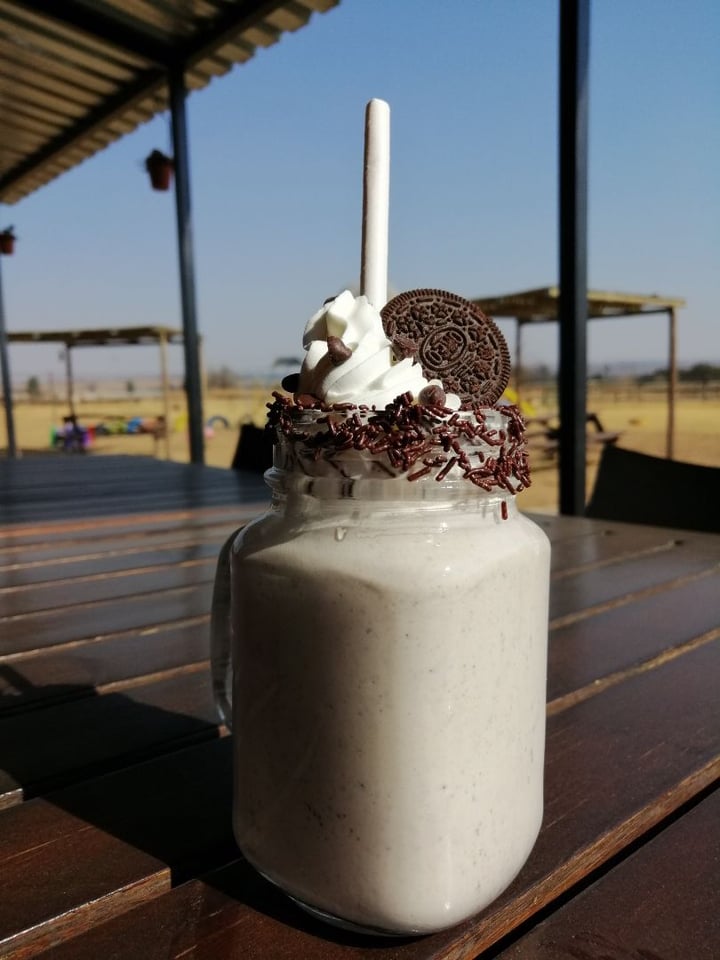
(77, 75)
(541, 305)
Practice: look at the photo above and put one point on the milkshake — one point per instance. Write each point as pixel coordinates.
(389, 625)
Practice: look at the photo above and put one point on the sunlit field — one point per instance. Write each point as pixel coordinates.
(639, 415)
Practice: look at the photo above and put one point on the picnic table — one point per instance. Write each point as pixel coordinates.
(115, 790)
(543, 434)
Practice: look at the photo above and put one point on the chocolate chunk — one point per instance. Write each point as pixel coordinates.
(404, 347)
(457, 344)
(432, 396)
(290, 382)
(338, 351)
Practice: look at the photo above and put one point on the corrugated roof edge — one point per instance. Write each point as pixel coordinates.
(139, 101)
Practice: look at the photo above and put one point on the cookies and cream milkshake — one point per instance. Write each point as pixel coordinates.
(389, 625)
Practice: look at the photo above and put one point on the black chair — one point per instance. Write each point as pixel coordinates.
(254, 449)
(636, 488)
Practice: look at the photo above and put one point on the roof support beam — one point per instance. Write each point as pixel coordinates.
(573, 306)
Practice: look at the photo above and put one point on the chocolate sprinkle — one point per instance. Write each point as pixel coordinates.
(406, 433)
(456, 343)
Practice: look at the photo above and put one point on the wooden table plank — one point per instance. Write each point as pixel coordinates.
(103, 618)
(624, 637)
(44, 749)
(606, 545)
(663, 903)
(136, 829)
(131, 584)
(578, 592)
(84, 669)
(45, 488)
(60, 535)
(616, 766)
(30, 570)
(117, 864)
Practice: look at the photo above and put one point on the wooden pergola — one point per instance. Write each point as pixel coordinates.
(107, 337)
(542, 306)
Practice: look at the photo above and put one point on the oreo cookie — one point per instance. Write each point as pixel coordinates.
(454, 342)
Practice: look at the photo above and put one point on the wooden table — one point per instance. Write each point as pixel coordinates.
(115, 837)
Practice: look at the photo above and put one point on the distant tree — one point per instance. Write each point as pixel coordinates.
(654, 377)
(700, 373)
(221, 379)
(130, 386)
(33, 388)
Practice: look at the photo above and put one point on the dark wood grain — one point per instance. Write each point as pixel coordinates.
(616, 766)
(57, 473)
(31, 572)
(128, 583)
(663, 903)
(607, 545)
(63, 537)
(579, 593)
(626, 636)
(84, 669)
(80, 856)
(46, 922)
(43, 749)
(50, 628)
(39, 489)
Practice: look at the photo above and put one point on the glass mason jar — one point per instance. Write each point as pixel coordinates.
(379, 648)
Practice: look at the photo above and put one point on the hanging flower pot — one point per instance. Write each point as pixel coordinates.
(160, 167)
(7, 241)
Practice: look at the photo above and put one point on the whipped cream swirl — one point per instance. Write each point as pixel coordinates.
(350, 360)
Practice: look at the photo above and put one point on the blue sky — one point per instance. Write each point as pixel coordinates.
(276, 168)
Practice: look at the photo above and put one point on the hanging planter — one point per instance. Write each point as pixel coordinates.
(7, 241)
(160, 167)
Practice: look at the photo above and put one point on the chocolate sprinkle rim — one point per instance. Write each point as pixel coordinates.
(415, 439)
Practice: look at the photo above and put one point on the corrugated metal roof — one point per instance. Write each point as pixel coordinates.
(541, 305)
(77, 75)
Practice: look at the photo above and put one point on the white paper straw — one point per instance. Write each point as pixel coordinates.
(376, 204)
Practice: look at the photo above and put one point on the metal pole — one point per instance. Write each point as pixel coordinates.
(672, 385)
(572, 311)
(187, 270)
(7, 385)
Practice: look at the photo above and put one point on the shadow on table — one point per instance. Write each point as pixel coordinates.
(156, 779)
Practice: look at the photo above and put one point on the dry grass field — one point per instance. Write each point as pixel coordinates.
(639, 416)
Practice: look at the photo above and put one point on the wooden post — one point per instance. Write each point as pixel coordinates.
(165, 391)
(672, 385)
(69, 380)
(518, 356)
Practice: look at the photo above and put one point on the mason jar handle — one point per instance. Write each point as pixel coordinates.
(221, 634)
